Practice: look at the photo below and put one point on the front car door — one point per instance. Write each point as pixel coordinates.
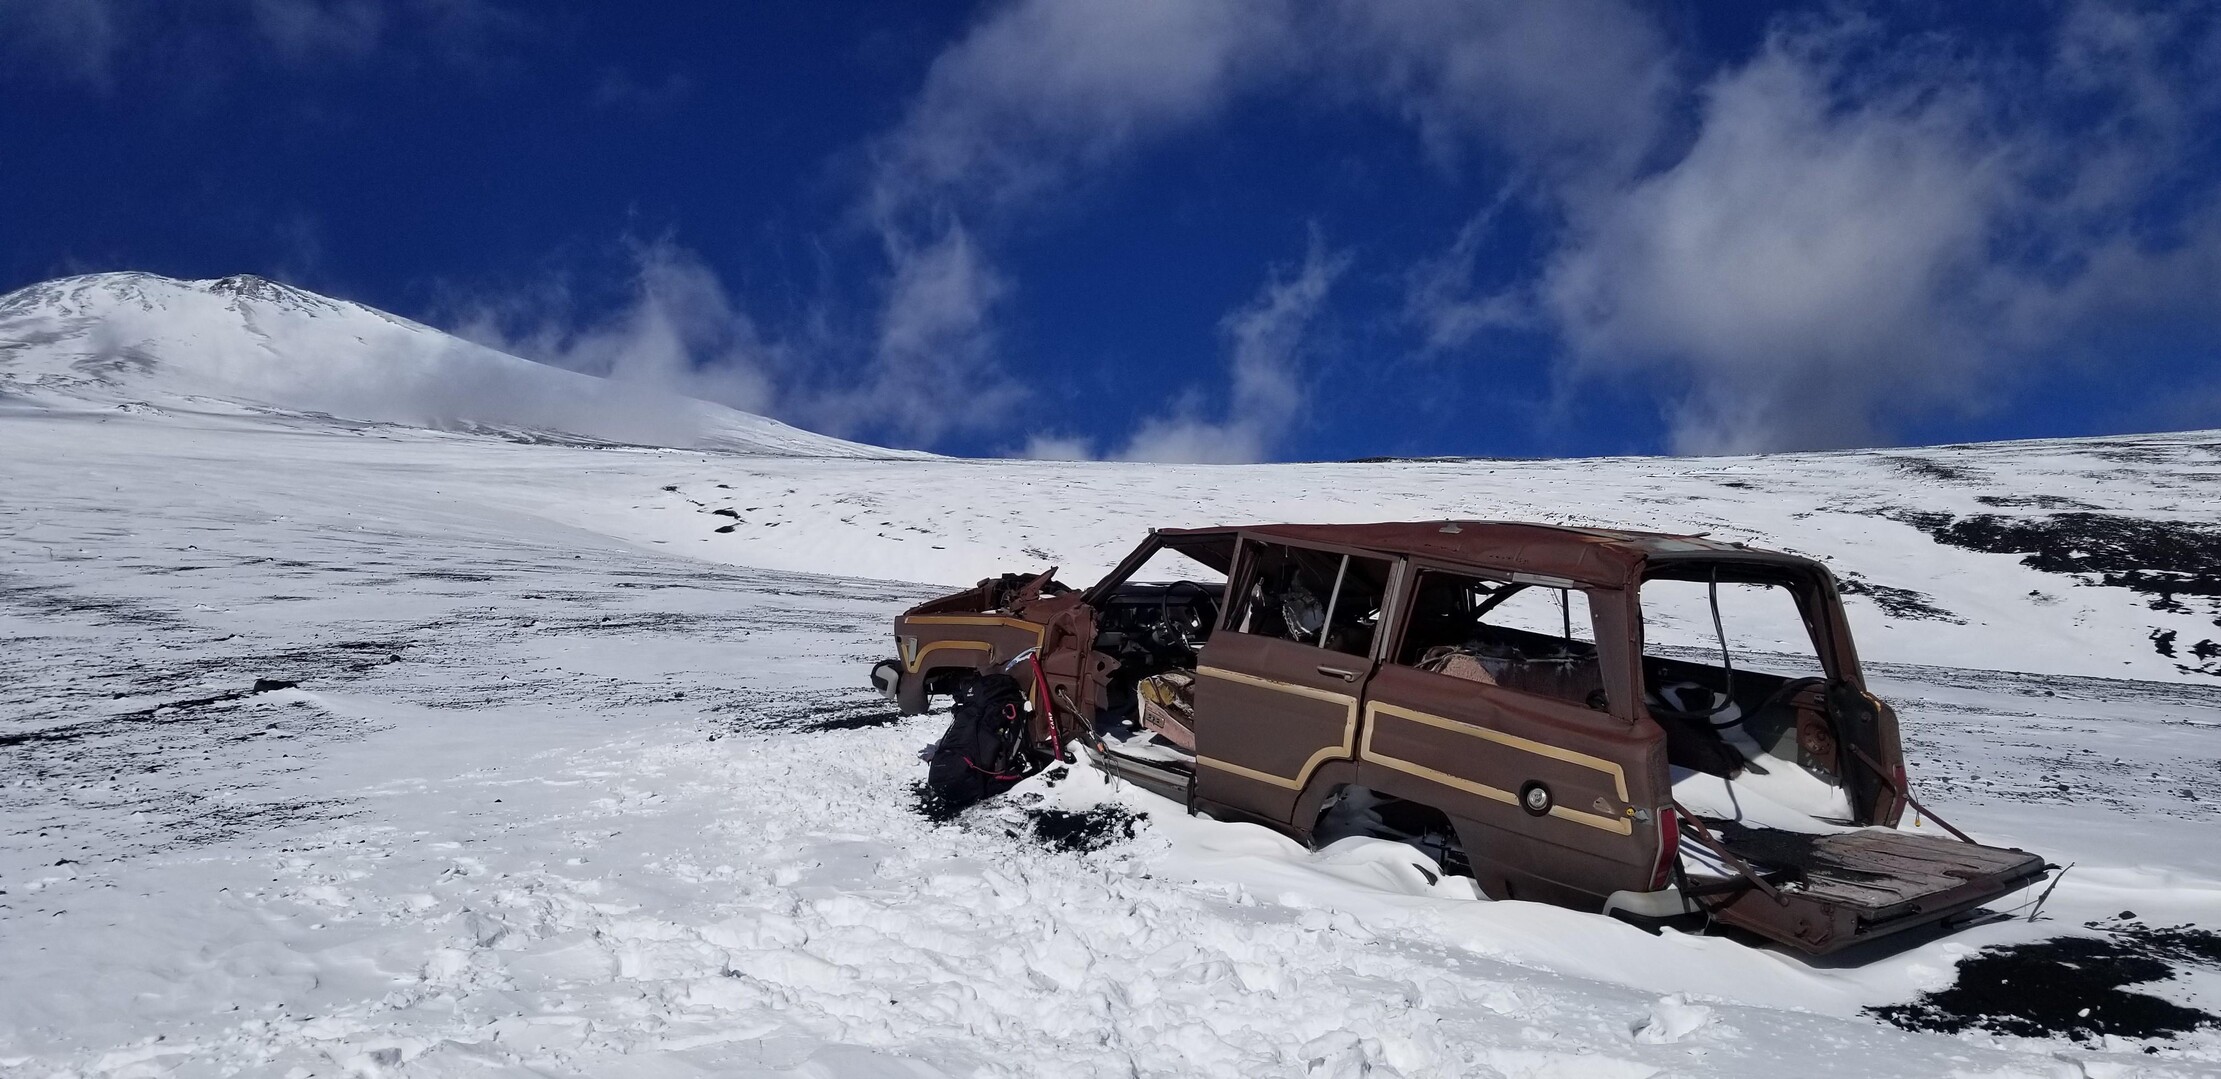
(1279, 685)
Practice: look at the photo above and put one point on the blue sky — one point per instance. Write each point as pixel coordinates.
(1251, 230)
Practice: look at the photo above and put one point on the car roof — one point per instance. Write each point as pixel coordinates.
(1607, 557)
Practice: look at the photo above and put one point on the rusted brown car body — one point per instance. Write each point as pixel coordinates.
(1557, 777)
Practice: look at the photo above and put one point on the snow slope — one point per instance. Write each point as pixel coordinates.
(143, 339)
(574, 783)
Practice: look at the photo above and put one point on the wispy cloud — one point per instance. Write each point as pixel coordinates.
(1041, 97)
(72, 39)
(1031, 101)
(679, 332)
(1268, 346)
(1578, 91)
(94, 43)
(1446, 303)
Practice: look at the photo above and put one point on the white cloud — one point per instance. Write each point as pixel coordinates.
(1850, 242)
(1805, 256)
(1043, 88)
(1577, 90)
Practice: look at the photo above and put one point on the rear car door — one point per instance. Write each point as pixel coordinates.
(1279, 685)
(1490, 706)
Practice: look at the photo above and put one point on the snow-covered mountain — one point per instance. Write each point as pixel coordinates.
(152, 341)
(579, 776)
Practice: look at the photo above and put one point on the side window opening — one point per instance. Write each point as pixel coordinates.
(1319, 598)
(1530, 638)
(1149, 628)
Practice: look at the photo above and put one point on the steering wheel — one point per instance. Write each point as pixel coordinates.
(1788, 690)
(1672, 710)
(1205, 611)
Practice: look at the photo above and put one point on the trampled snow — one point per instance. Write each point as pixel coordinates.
(574, 782)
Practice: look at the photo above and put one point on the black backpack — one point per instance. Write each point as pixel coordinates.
(984, 751)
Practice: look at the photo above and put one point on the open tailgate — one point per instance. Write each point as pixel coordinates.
(1827, 892)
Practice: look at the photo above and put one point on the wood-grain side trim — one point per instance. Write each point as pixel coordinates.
(1341, 751)
(1376, 709)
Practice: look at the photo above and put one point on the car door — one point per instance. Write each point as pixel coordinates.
(1279, 686)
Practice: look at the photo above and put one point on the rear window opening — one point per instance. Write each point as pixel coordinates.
(1733, 672)
(1528, 638)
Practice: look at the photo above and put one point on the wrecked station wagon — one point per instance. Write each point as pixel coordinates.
(1485, 692)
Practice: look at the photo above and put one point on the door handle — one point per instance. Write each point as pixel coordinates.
(1337, 672)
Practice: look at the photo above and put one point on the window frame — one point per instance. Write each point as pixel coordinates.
(1805, 592)
(1241, 575)
(1416, 568)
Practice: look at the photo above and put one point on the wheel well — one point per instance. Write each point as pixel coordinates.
(943, 680)
(1353, 810)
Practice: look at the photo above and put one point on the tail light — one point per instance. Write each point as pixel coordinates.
(1669, 848)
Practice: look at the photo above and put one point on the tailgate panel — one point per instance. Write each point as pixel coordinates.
(1842, 889)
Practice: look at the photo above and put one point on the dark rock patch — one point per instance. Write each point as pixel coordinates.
(1898, 602)
(2042, 502)
(2162, 560)
(1092, 830)
(2072, 987)
(2159, 558)
(74, 731)
(1935, 470)
(855, 722)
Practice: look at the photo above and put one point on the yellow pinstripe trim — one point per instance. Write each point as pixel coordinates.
(918, 661)
(1034, 628)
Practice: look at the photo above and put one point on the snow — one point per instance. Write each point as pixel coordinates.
(572, 783)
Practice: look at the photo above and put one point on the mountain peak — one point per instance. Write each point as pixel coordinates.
(247, 286)
(144, 339)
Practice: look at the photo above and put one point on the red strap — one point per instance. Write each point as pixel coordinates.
(1048, 708)
(992, 775)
